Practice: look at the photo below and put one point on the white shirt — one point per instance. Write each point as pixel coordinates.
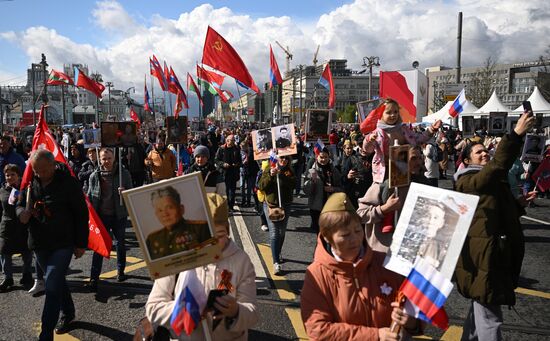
(432, 167)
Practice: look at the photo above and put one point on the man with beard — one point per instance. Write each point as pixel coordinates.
(213, 180)
(161, 161)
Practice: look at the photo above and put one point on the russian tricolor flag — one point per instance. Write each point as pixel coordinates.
(189, 305)
(327, 83)
(319, 146)
(427, 290)
(274, 73)
(273, 159)
(458, 104)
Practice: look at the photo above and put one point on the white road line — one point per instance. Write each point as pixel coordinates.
(536, 220)
(250, 249)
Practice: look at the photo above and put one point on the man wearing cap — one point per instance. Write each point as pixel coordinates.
(213, 180)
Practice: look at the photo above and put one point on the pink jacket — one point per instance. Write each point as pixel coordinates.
(341, 301)
(381, 146)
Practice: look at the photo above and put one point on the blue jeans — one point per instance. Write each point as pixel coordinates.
(230, 189)
(117, 230)
(277, 231)
(58, 297)
(7, 264)
(298, 170)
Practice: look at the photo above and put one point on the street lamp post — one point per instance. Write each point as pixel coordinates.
(370, 62)
(109, 85)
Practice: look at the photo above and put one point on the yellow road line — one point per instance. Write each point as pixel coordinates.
(129, 259)
(281, 286)
(296, 320)
(422, 337)
(454, 333)
(532, 292)
(64, 337)
(114, 273)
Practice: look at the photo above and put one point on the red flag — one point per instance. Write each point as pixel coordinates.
(58, 78)
(83, 81)
(274, 73)
(393, 84)
(173, 86)
(166, 73)
(134, 116)
(212, 78)
(178, 106)
(156, 70)
(191, 85)
(99, 239)
(542, 175)
(175, 81)
(327, 83)
(369, 124)
(146, 105)
(221, 56)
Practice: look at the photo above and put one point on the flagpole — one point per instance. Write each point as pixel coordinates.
(170, 100)
(63, 100)
(187, 110)
(200, 91)
(239, 101)
(119, 172)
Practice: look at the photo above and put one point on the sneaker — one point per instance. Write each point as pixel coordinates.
(6, 284)
(92, 285)
(277, 269)
(26, 280)
(264, 228)
(64, 324)
(121, 277)
(38, 287)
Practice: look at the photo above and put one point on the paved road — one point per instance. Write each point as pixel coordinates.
(113, 312)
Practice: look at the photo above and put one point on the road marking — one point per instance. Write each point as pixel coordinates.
(114, 273)
(250, 250)
(532, 292)
(454, 333)
(296, 319)
(422, 337)
(129, 259)
(281, 285)
(536, 220)
(64, 337)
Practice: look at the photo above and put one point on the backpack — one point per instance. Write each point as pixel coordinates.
(437, 154)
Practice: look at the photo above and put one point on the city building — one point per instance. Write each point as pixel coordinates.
(513, 82)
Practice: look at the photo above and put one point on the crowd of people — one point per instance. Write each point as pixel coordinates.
(351, 206)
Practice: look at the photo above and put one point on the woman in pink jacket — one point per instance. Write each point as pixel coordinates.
(347, 293)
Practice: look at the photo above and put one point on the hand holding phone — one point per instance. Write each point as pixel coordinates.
(212, 295)
(527, 108)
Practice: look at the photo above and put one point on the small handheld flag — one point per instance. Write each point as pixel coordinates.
(319, 146)
(189, 305)
(273, 159)
(458, 104)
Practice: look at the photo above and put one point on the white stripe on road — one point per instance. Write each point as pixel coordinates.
(250, 249)
(536, 220)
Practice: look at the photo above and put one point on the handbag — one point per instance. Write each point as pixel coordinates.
(275, 213)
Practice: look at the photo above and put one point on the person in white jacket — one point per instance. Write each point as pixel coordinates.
(238, 308)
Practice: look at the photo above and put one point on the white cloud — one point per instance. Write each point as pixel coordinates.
(397, 31)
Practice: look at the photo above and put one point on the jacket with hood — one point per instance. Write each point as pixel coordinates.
(163, 163)
(490, 262)
(160, 303)
(346, 301)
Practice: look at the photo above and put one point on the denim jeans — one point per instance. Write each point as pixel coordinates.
(38, 269)
(230, 189)
(7, 264)
(298, 170)
(277, 231)
(117, 230)
(58, 297)
(250, 183)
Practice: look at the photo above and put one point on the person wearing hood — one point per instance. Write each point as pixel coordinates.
(320, 182)
(104, 192)
(489, 265)
(237, 311)
(88, 167)
(347, 292)
(161, 161)
(213, 180)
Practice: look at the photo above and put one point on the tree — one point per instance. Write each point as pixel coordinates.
(439, 93)
(542, 80)
(482, 83)
(347, 115)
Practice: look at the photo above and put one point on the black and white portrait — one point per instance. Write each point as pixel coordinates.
(497, 122)
(533, 148)
(284, 139)
(468, 125)
(177, 129)
(262, 143)
(318, 123)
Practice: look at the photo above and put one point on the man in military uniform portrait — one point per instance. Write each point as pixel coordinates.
(177, 234)
(283, 138)
(263, 140)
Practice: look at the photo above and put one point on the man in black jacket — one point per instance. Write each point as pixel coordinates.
(229, 159)
(213, 180)
(58, 228)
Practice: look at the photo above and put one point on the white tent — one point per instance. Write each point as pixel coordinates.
(492, 105)
(538, 103)
(443, 113)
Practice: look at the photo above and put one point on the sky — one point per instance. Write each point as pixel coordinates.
(117, 37)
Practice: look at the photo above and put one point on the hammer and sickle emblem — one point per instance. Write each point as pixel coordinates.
(218, 45)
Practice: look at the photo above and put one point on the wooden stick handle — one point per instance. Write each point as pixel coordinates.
(395, 328)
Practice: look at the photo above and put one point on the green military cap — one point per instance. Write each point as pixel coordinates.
(218, 208)
(338, 202)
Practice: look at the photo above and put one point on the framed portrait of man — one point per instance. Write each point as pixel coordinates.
(262, 143)
(365, 107)
(533, 148)
(92, 138)
(174, 229)
(497, 123)
(318, 123)
(284, 139)
(399, 166)
(118, 134)
(433, 225)
(177, 129)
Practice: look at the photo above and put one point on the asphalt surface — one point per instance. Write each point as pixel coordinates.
(113, 312)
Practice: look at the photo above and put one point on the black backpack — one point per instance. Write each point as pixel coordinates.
(437, 153)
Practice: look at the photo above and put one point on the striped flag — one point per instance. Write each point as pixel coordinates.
(58, 78)
(189, 305)
(427, 290)
(273, 159)
(458, 104)
(319, 146)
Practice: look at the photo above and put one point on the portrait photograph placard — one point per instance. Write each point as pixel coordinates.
(92, 138)
(497, 123)
(365, 107)
(284, 139)
(118, 134)
(433, 225)
(318, 123)
(467, 125)
(399, 166)
(174, 229)
(533, 148)
(177, 129)
(262, 143)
